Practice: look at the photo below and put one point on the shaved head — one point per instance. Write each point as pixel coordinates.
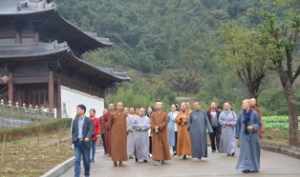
(246, 104)
(120, 106)
(252, 102)
(158, 105)
(111, 107)
(196, 105)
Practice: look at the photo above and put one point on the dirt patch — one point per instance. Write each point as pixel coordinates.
(276, 135)
(33, 156)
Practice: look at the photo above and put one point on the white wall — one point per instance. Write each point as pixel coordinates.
(70, 98)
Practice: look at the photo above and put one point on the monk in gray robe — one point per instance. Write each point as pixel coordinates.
(247, 131)
(198, 126)
(141, 137)
(131, 123)
(228, 120)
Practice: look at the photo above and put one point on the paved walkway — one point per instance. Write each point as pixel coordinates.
(273, 165)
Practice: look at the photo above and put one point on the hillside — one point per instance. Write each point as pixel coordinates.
(170, 48)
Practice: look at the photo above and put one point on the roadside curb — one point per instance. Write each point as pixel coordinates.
(292, 151)
(60, 169)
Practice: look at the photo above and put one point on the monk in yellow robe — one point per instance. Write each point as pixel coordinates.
(184, 147)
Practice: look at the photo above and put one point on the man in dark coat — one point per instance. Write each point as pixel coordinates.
(82, 130)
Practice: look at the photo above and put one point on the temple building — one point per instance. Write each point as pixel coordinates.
(40, 59)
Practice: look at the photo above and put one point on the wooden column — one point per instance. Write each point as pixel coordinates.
(58, 99)
(36, 37)
(18, 37)
(51, 91)
(11, 88)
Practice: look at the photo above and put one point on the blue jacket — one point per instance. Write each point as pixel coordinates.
(86, 132)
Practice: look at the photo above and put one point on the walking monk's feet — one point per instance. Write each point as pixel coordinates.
(163, 162)
(121, 164)
(115, 164)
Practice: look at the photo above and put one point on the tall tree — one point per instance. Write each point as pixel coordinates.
(285, 36)
(245, 54)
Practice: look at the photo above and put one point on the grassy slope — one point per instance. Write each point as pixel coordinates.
(33, 156)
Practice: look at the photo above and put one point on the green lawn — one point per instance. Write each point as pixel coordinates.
(276, 128)
(280, 122)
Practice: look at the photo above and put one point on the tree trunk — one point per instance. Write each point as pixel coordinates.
(252, 92)
(293, 117)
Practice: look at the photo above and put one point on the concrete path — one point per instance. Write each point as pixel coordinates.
(218, 165)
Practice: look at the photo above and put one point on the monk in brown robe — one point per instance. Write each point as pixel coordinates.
(184, 147)
(160, 146)
(107, 127)
(119, 136)
(255, 107)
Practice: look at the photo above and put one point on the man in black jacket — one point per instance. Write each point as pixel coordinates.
(82, 130)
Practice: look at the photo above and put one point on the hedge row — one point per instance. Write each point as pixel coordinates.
(34, 129)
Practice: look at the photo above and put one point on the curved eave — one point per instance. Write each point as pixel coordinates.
(20, 54)
(78, 39)
(56, 27)
(9, 8)
(24, 13)
(59, 28)
(99, 72)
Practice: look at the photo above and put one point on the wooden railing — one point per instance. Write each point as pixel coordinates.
(27, 112)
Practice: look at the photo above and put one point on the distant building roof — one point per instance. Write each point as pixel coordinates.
(63, 53)
(24, 51)
(23, 7)
(55, 26)
(69, 39)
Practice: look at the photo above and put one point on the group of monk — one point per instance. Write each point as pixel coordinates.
(121, 144)
(127, 132)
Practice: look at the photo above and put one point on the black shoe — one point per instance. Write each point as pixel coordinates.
(121, 164)
(145, 161)
(246, 171)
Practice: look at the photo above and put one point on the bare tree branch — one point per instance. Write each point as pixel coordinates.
(297, 73)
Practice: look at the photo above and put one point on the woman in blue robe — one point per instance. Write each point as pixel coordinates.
(247, 132)
(172, 128)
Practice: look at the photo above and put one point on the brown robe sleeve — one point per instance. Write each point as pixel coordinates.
(178, 119)
(163, 124)
(152, 124)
